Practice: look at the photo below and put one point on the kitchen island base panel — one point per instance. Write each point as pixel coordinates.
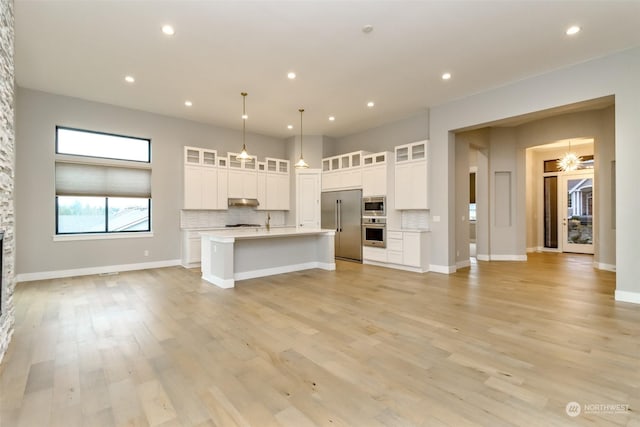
(225, 260)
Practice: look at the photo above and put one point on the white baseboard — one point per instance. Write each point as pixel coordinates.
(283, 269)
(191, 264)
(396, 266)
(603, 266)
(219, 282)
(45, 275)
(508, 257)
(483, 257)
(534, 249)
(463, 264)
(627, 296)
(444, 269)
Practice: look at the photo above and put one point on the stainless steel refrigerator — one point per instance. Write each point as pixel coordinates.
(342, 211)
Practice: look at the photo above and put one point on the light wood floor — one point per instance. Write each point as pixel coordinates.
(501, 343)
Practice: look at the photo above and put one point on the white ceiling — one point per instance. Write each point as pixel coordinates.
(221, 48)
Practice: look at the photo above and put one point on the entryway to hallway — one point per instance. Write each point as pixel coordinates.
(521, 201)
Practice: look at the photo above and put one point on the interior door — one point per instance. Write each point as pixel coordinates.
(577, 212)
(308, 199)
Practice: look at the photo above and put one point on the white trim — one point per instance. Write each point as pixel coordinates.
(191, 264)
(219, 282)
(252, 274)
(626, 296)
(444, 269)
(463, 264)
(534, 249)
(44, 275)
(508, 257)
(396, 266)
(483, 257)
(552, 250)
(102, 236)
(603, 266)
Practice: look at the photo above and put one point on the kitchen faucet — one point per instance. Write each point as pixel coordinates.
(268, 223)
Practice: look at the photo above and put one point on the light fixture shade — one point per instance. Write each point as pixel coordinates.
(244, 155)
(301, 164)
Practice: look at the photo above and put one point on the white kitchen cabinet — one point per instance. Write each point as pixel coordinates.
(343, 171)
(370, 253)
(406, 250)
(262, 186)
(277, 184)
(200, 179)
(223, 182)
(243, 177)
(200, 156)
(376, 172)
(411, 176)
(191, 248)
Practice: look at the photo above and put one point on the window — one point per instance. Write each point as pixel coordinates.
(103, 182)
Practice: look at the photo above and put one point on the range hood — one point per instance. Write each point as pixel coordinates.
(244, 202)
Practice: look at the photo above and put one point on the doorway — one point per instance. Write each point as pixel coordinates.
(576, 219)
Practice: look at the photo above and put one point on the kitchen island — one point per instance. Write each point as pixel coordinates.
(239, 254)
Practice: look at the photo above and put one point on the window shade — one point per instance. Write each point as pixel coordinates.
(74, 179)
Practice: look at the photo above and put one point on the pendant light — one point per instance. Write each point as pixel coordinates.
(301, 164)
(570, 161)
(243, 154)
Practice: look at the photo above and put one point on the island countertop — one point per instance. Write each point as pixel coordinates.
(231, 235)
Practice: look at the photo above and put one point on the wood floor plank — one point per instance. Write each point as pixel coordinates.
(496, 344)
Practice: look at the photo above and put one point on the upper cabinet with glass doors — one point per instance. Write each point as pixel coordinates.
(411, 176)
(343, 171)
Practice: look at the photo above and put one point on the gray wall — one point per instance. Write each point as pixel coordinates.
(37, 114)
(383, 138)
(612, 75)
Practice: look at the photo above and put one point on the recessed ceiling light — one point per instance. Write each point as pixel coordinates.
(367, 29)
(370, 104)
(289, 126)
(291, 75)
(129, 79)
(574, 29)
(168, 30)
(446, 76)
(188, 103)
(332, 119)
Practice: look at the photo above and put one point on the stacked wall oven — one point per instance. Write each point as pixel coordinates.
(342, 212)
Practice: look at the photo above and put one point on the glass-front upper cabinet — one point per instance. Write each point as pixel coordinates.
(413, 151)
(200, 156)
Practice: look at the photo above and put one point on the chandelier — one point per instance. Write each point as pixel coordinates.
(570, 161)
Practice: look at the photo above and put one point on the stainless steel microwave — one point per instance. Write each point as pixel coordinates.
(374, 206)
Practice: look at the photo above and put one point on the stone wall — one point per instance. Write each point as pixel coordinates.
(7, 163)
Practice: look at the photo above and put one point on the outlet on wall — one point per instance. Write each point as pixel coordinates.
(146, 252)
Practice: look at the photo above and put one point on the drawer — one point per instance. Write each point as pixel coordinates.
(394, 234)
(374, 254)
(394, 244)
(394, 257)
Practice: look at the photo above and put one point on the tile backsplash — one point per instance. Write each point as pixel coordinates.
(418, 219)
(191, 219)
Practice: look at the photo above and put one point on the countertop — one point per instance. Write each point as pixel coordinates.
(230, 235)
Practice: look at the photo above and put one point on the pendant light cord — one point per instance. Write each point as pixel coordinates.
(301, 111)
